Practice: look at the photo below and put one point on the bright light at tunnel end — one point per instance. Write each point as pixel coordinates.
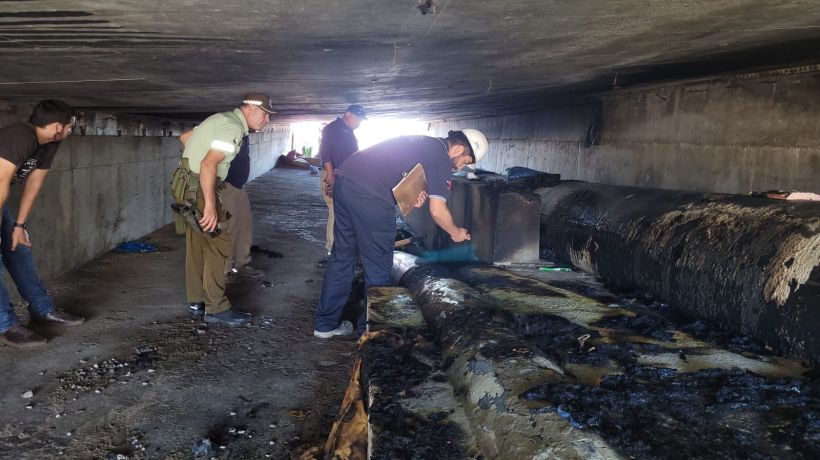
(372, 131)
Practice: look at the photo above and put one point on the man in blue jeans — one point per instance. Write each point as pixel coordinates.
(26, 153)
(365, 217)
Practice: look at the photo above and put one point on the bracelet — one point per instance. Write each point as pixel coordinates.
(24, 225)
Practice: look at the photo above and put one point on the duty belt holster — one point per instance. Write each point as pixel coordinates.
(189, 201)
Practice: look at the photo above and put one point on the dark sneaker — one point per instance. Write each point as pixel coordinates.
(197, 308)
(22, 337)
(228, 317)
(61, 317)
(249, 271)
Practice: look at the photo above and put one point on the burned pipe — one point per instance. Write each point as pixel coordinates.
(749, 265)
(489, 367)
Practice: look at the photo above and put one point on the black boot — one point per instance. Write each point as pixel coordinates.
(229, 317)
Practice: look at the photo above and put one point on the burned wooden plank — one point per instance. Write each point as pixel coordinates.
(412, 410)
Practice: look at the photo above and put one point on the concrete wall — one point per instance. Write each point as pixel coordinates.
(731, 135)
(267, 146)
(100, 192)
(111, 185)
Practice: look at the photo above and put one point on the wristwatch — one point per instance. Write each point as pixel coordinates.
(24, 225)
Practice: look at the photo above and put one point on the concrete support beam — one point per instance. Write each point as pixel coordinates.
(750, 265)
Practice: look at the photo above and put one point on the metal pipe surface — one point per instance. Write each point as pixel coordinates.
(750, 265)
(490, 366)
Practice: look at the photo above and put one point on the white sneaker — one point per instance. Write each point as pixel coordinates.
(346, 328)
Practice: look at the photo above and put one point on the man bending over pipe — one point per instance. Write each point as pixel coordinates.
(363, 204)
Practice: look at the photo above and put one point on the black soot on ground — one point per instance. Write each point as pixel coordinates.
(393, 365)
(652, 412)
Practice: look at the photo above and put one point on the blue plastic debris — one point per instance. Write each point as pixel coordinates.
(563, 412)
(202, 448)
(136, 246)
(520, 172)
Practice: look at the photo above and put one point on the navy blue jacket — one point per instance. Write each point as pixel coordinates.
(338, 143)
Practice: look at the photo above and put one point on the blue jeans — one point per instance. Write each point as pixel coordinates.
(365, 227)
(20, 265)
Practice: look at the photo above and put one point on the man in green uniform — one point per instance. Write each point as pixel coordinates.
(209, 151)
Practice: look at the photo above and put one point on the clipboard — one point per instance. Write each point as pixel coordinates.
(407, 190)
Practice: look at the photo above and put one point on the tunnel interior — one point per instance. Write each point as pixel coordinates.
(643, 274)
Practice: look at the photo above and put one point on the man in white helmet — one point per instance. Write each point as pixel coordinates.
(365, 224)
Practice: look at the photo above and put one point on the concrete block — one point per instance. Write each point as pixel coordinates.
(517, 228)
(502, 217)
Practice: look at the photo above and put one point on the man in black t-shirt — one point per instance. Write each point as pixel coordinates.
(26, 153)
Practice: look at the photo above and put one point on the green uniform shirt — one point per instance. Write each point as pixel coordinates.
(223, 132)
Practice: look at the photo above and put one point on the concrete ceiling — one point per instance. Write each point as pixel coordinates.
(470, 57)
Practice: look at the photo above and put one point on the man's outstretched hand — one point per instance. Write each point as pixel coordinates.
(460, 235)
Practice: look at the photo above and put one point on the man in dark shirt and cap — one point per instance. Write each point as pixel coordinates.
(365, 214)
(26, 153)
(240, 225)
(338, 143)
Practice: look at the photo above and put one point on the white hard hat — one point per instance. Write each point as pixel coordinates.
(478, 143)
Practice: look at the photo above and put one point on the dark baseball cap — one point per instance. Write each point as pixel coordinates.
(259, 99)
(357, 110)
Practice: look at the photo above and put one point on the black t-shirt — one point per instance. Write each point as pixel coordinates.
(338, 143)
(18, 144)
(240, 168)
(379, 168)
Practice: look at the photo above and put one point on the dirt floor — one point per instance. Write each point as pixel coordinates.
(142, 379)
